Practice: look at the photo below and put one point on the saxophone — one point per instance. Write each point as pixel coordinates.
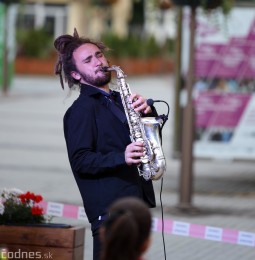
(144, 129)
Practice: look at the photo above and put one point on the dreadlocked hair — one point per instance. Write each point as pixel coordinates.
(65, 46)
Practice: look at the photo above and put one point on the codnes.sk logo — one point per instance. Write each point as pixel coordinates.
(5, 254)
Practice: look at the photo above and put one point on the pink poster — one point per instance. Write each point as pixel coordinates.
(207, 57)
(233, 59)
(224, 89)
(249, 71)
(214, 110)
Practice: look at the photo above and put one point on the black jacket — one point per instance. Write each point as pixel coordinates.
(96, 140)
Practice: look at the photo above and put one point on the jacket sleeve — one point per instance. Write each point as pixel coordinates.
(80, 131)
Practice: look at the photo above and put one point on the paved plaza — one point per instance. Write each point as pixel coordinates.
(33, 157)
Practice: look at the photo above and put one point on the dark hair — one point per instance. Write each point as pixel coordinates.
(66, 45)
(126, 230)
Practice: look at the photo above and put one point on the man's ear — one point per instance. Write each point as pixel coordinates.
(76, 75)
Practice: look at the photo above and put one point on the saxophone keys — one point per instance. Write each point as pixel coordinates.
(145, 159)
(138, 136)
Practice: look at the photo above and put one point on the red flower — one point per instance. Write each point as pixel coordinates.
(38, 198)
(21, 208)
(30, 195)
(37, 210)
(23, 198)
(26, 197)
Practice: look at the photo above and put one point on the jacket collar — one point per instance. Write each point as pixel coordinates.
(89, 90)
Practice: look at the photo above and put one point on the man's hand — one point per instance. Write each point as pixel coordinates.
(140, 104)
(133, 153)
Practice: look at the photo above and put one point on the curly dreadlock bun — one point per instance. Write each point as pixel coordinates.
(63, 44)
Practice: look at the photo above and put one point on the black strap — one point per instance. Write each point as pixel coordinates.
(116, 110)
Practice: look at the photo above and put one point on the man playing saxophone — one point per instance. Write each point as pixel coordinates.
(102, 157)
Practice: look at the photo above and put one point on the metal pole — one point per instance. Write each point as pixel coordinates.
(186, 178)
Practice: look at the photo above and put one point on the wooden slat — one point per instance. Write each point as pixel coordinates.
(42, 236)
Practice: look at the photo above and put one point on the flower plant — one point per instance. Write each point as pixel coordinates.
(17, 207)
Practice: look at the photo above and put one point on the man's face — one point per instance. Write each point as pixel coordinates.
(89, 61)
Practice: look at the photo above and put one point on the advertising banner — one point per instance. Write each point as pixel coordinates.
(224, 91)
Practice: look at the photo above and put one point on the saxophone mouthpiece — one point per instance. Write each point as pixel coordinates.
(105, 69)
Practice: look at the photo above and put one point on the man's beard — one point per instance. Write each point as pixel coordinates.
(97, 81)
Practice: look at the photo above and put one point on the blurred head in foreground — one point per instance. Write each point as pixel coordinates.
(125, 235)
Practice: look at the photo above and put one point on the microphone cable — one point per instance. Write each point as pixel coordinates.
(164, 117)
(162, 218)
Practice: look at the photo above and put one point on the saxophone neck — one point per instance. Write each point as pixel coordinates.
(117, 69)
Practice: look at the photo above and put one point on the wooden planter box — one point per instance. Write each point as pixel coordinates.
(131, 66)
(25, 242)
(136, 66)
(34, 66)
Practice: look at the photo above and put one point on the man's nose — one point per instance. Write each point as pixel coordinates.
(98, 61)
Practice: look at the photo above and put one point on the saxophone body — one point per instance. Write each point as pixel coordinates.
(144, 129)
